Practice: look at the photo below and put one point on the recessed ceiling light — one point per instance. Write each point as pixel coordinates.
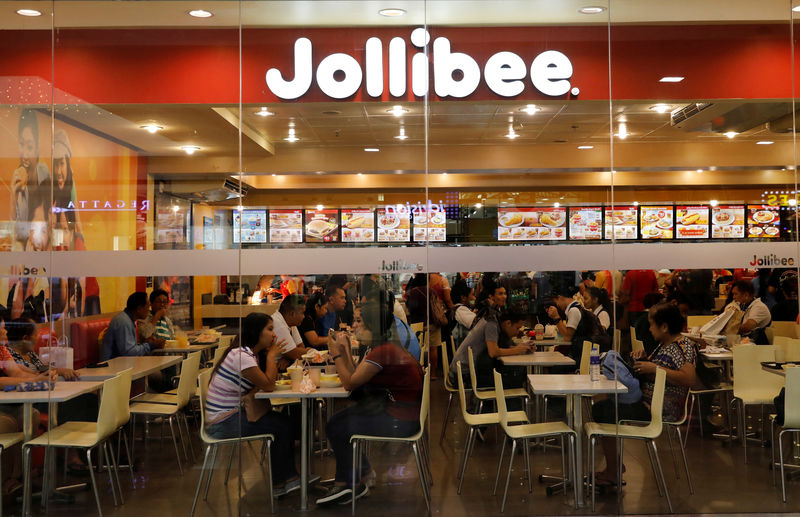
(274, 175)
(392, 12)
(359, 174)
(151, 128)
(397, 110)
(556, 204)
(530, 109)
(792, 202)
(175, 208)
(29, 12)
(320, 207)
(660, 108)
(190, 149)
(796, 8)
(402, 135)
(730, 134)
(713, 202)
(591, 9)
(622, 131)
(699, 171)
(263, 112)
(200, 13)
(635, 203)
(239, 208)
(585, 147)
(292, 138)
(371, 149)
(671, 79)
(511, 134)
(478, 205)
(765, 142)
(320, 172)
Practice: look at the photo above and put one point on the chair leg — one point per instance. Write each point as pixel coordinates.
(672, 452)
(353, 476)
(685, 462)
(689, 417)
(128, 453)
(573, 467)
(200, 481)
(783, 477)
(593, 473)
(188, 436)
(661, 475)
(446, 415)
(470, 441)
(620, 458)
(426, 457)
(269, 481)
(772, 451)
(106, 459)
(114, 462)
(230, 463)
(508, 476)
(175, 443)
(26, 480)
(420, 469)
(94, 482)
(210, 471)
(499, 464)
(655, 473)
(527, 451)
(46, 478)
(180, 435)
(743, 420)
(564, 472)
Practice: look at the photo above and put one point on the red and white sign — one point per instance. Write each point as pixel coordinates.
(763, 222)
(691, 222)
(623, 221)
(358, 225)
(393, 226)
(657, 222)
(727, 222)
(585, 223)
(531, 224)
(286, 226)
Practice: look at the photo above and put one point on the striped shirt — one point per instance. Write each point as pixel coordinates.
(163, 329)
(228, 385)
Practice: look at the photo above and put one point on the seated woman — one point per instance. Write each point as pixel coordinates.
(21, 336)
(597, 301)
(388, 367)
(315, 308)
(677, 356)
(236, 375)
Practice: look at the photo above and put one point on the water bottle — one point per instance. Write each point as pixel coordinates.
(594, 364)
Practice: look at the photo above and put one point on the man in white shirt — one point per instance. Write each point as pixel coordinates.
(756, 314)
(285, 322)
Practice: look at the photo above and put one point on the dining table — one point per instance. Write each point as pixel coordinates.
(305, 427)
(574, 387)
(142, 365)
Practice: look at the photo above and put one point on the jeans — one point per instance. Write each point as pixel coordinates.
(350, 421)
(276, 424)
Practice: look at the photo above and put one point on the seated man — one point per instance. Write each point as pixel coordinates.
(756, 314)
(285, 321)
(336, 300)
(157, 327)
(121, 338)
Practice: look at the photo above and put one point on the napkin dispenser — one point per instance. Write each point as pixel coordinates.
(57, 356)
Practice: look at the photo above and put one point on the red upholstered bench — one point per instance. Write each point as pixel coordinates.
(84, 340)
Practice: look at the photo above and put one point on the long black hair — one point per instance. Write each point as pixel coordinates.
(252, 326)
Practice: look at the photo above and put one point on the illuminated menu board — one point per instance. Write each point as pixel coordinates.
(393, 226)
(623, 221)
(585, 223)
(763, 222)
(286, 226)
(251, 225)
(358, 225)
(691, 222)
(657, 222)
(531, 224)
(322, 225)
(433, 228)
(727, 222)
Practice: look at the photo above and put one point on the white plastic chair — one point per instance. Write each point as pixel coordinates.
(451, 390)
(483, 394)
(788, 329)
(791, 420)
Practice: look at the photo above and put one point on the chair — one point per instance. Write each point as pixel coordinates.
(648, 433)
(791, 420)
(7, 440)
(525, 432)
(474, 421)
(698, 321)
(617, 340)
(212, 445)
(789, 346)
(636, 344)
(752, 385)
(447, 386)
(416, 440)
(83, 435)
(169, 407)
(488, 393)
(785, 328)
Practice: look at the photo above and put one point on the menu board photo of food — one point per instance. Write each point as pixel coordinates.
(532, 224)
(657, 222)
(250, 226)
(727, 222)
(691, 222)
(358, 225)
(585, 223)
(322, 225)
(763, 222)
(393, 226)
(623, 220)
(433, 228)
(286, 226)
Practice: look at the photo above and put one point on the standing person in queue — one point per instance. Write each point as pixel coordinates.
(390, 403)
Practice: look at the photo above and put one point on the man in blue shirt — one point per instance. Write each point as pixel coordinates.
(121, 338)
(337, 300)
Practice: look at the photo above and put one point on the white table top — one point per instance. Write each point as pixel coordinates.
(339, 393)
(780, 372)
(63, 391)
(573, 384)
(538, 359)
(721, 356)
(142, 366)
(187, 350)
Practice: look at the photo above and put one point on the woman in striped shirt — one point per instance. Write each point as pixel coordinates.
(237, 374)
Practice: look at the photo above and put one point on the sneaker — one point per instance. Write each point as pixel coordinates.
(361, 491)
(335, 493)
(370, 479)
(287, 488)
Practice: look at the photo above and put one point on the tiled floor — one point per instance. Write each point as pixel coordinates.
(723, 483)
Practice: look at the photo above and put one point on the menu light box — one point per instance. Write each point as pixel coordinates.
(532, 224)
(394, 225)
(249, 226)
(286, 226)
(657, 222)
(622, 220)
(430, 226)
(763, 222)
(358, 225)
(322, 225)
(585, 223)
(727, 222)
(691, 222)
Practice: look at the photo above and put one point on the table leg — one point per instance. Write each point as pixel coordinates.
(304, 453)
(577, 425)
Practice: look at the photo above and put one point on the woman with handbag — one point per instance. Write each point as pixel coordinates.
(387, 385)
(231, 410)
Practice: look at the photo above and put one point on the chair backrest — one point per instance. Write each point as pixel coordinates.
(748, 376)
(500, 395)
(785, 328)
(587, 352)
(473, 376)
(446, 364)
(698, 321)
(107, 416)
(124, 400)
(190, 367)
(770, 333)
(791, 350)
(203, 380)
(653, 429)
(618, 339)
(218, 353)
(426, 399)
(791, 402)
(636, 344)
(462, 394)
(633, 333)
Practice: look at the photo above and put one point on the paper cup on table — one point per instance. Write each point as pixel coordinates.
(172, 343)
(296, 375)
(314, 373)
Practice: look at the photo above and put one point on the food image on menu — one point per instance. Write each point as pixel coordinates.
(763, 222)
(286, 226)
(657, 222)
(531, 224)
(691, 222)
(623, 221)
(393, 226)
(250, 225)
(322, 225)
(727, 222)
(585, 223)
(433, 228)
(358, 225)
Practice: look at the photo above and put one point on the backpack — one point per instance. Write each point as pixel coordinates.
(613, 367)
(590, 329)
